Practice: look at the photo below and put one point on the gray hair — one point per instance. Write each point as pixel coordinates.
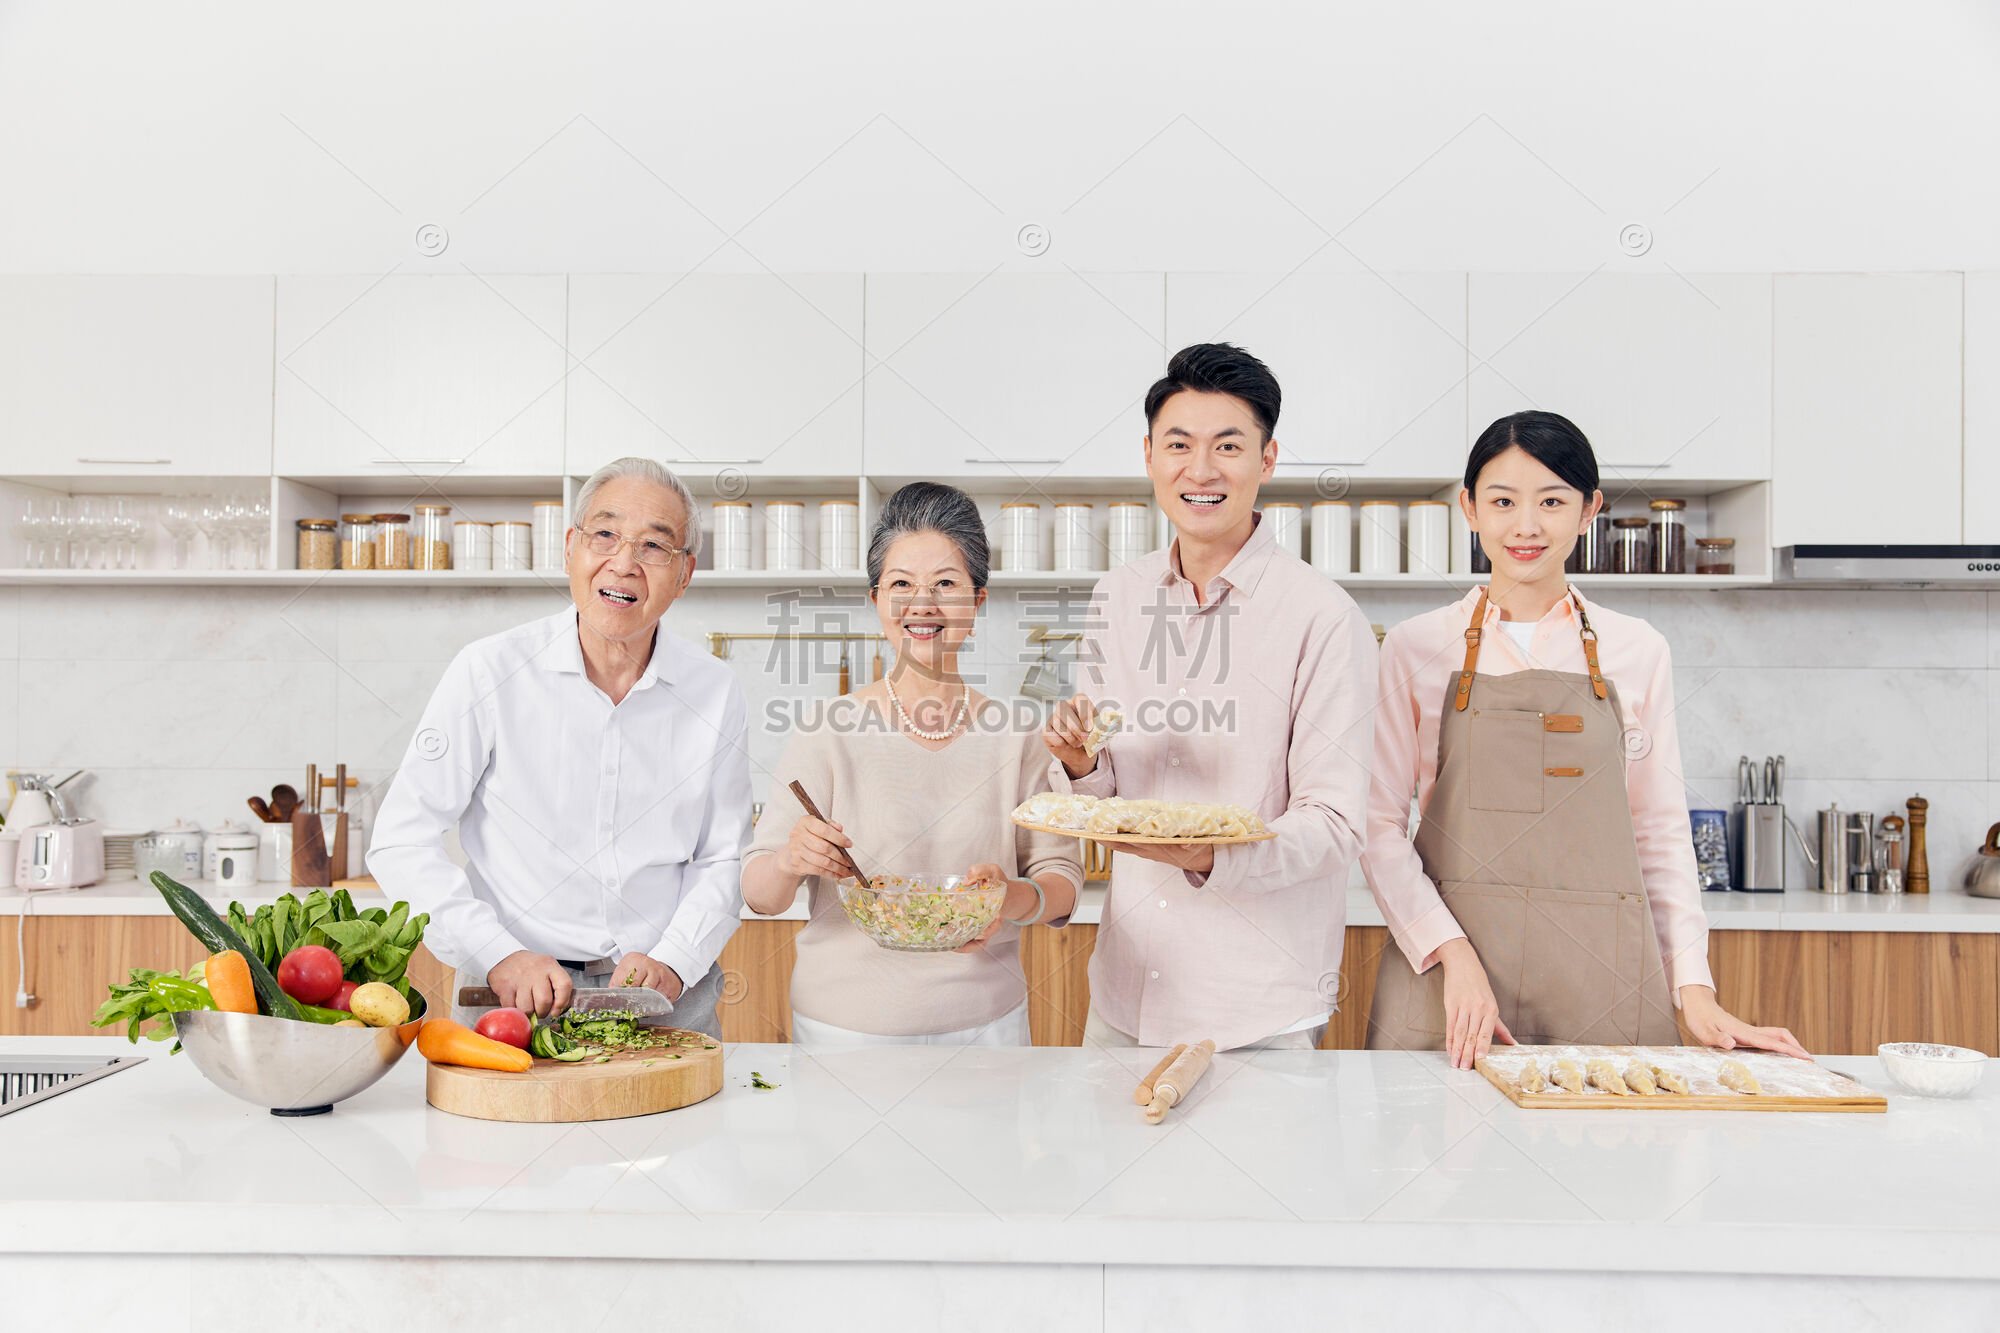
(641, 469)
(928, 506)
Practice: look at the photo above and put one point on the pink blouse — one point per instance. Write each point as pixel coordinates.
(1420, 657)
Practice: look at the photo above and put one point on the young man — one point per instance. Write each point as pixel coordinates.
(1244, 676)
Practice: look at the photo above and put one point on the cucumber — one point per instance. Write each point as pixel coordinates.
(216, 937)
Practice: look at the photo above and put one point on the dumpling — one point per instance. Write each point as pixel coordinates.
(1670, 1081)
(1639, 1078)
(1106, 816)
(1108, 722)
(1604, 1074)
(1530, 1078)
(1736, 1076)
(1054, 809)
(1566, 1075)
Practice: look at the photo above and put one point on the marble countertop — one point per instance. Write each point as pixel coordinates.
(1019, 1155)
(1948, 912)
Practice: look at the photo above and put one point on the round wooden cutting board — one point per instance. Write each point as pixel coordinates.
(630, 1083)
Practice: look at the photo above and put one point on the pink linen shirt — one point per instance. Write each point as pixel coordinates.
(1262, 695)
(1420, 659)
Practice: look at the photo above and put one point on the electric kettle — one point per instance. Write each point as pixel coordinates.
(1981, 876)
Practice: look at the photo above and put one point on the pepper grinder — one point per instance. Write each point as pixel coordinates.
(1889, 855)
(1918, 880)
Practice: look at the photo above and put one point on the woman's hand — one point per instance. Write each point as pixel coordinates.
(1068, 728)
(1017, 904)
(1712, 1025)
(814, 848)
(1471, 1014)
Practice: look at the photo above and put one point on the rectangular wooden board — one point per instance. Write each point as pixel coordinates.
(1789, 1085)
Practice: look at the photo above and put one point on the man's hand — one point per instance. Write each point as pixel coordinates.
(1200, 860)
(532, 982)
(636, 969)
(1068, 728)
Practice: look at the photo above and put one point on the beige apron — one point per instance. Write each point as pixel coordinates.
(1528, 837)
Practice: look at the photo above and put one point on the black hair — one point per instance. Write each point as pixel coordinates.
(929, 506)
(1219, 368)
(1553, 441)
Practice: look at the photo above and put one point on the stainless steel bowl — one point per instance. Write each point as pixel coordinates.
(294, 1068)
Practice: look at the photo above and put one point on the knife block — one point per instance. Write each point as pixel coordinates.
(319, 843)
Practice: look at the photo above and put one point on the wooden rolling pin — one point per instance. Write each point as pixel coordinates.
(1173, 1086)
(1143, 1094)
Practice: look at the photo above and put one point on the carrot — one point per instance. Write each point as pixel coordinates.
(444, 1042)
(229, 984)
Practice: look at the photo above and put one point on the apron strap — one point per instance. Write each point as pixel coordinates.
(1589, 636)
(1472, 633)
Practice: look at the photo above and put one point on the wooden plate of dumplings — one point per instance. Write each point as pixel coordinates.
(1117, 819)
(1669, 1078)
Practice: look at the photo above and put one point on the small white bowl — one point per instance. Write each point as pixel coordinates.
(1930, 1070)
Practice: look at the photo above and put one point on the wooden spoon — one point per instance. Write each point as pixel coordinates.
(284, 800)
(262, 810)
(813, 810)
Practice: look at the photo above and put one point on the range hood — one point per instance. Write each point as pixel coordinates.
(1889, 564)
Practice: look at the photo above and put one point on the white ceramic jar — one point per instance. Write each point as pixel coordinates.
(1076, 537)
(1430, 537)
(729, 544)
(1381, 537)
(785, 534)
(839, 535)
(1333, 536)
(1020, 537)
(471, 546)
(1287, 522)
(1131, 531)
(550, 524)
(513, 545)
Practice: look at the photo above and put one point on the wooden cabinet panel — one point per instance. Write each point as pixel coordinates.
(1775, 979)
(1910, 987)
(1057, 966)
(1360, 961)
(756, 999)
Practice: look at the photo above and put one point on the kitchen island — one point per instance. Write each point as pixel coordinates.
(987, 1188)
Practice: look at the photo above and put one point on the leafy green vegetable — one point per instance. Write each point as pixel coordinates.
(149, 999)
(374, 945)
(757, 1082)
(613, 1029)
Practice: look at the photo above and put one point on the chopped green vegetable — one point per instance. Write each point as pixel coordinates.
(757, 1081)
(602, 1060)
(614, 1029)
(149, 999)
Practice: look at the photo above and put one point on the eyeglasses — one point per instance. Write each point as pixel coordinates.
(646, 550)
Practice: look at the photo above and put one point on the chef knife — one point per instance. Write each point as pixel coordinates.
(650, 1006)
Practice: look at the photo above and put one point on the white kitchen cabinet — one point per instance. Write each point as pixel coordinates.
(711, 370)
(1372, 367)
(1866, 409)
(1982, 409)
(1012, 377)
(1669, 376)
(408, 375)
(143, 376)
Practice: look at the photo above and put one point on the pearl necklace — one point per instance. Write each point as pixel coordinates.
(959, 717)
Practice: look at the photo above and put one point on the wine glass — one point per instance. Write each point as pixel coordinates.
(253, 524)
(177, 516)
(89, 529)
(208, 518)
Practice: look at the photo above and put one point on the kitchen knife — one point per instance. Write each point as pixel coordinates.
(651, 1006)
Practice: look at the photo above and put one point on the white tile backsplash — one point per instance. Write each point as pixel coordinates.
(187, 700)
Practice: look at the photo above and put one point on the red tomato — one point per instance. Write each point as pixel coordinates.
(339, 1000)
(310, 974)
(507, 1025)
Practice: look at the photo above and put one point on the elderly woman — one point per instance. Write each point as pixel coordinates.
(917, 772)
(596, 771)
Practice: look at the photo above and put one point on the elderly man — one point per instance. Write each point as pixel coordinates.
(597, 772)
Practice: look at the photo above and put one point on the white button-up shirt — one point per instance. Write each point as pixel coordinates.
(590, 829)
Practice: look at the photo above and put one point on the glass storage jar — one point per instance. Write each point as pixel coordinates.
(1715, 555)
(1670, 536)
(430, 537)
(316, 543)
(1632, 546)
(392, 541)
(357, 541)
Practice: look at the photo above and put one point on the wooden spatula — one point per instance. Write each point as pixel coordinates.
(813, 810)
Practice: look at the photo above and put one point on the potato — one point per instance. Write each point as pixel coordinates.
(379, 1005)
(350, 1022)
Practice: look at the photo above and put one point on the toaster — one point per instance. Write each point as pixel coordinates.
(66, 854)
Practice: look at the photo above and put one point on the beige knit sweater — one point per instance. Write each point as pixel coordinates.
(909, 810)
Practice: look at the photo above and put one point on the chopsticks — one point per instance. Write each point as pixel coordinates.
(813, 810)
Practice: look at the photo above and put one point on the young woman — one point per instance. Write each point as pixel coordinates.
(1549, 894)
(918, 773)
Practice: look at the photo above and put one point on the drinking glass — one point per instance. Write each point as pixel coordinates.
(177, 515)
